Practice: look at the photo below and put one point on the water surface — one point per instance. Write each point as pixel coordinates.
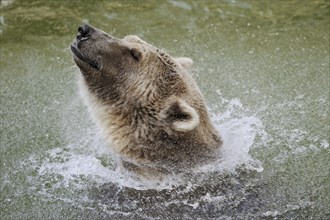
(263, 67)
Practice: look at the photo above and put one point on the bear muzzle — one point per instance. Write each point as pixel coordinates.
(85, 32)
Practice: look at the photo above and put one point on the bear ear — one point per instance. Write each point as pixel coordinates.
(185, 62)
(182, 116)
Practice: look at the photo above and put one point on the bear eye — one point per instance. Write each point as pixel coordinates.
(136, 54)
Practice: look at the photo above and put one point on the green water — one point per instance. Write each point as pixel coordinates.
(263, 67)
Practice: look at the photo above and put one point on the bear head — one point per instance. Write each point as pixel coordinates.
(145, 101)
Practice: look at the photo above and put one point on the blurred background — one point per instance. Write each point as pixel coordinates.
(263, 67)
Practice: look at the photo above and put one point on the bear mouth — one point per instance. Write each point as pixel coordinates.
(76, 52)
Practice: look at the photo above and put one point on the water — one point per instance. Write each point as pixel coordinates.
(263, 67)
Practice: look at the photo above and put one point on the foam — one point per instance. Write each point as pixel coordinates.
(75, 165)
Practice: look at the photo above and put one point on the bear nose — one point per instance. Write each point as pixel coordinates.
(84, 33)
(84, 30)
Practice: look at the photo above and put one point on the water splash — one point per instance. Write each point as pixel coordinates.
(239, 136)
(83, 173)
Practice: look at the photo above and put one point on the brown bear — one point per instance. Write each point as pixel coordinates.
(147, 105)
